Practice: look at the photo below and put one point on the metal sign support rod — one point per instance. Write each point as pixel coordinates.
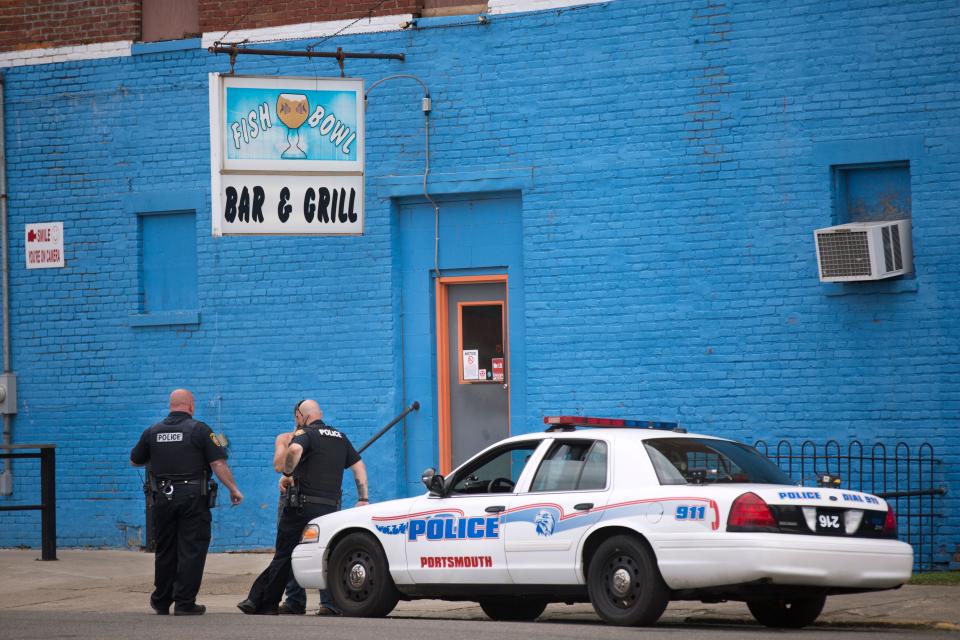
(339, 55)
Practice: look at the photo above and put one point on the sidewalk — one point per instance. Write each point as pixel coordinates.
(114, 581)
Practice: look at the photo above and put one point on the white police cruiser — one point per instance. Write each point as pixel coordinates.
(625, 518)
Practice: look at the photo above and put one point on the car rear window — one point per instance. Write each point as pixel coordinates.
(696, 461)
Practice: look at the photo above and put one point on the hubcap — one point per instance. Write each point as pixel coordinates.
(358, 574)
(621, 582)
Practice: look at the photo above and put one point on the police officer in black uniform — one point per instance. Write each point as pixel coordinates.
(313, 470)
(181, 452)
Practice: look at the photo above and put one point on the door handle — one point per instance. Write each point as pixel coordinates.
(495, 508)
(583, 506)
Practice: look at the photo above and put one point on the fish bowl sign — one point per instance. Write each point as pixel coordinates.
(286, 155)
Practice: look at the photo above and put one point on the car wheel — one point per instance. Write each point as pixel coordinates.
(513, 609)
(359, 579)
(624, 583)
(787, 613)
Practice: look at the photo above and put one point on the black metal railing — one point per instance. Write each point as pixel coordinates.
(908, 478)
(48, 493)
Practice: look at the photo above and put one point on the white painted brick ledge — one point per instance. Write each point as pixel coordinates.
(302, 31)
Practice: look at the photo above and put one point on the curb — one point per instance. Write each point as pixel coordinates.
(824, 624)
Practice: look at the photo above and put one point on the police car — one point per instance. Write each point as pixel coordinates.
(625, 518)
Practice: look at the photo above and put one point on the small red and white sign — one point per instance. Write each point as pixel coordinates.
(44, 245)
(497, 367)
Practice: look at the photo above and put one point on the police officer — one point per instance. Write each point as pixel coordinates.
(313, 469)
(181, 452)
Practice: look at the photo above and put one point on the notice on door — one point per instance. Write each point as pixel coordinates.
(497, 366)
(471, 364)
(44, 245)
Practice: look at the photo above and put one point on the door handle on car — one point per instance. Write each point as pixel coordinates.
(495, 508)
(583, 506)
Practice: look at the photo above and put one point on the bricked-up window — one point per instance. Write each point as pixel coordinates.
(871, 192)
(170, 20)
(452, 7)
(168, 262)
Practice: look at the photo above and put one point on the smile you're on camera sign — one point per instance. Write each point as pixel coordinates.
(286, 155)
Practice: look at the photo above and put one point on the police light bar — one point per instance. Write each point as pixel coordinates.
(566, 423)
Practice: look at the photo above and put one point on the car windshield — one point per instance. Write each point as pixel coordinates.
(697, 461)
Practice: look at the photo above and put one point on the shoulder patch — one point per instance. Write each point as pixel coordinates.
(298, 432)
(216, 440)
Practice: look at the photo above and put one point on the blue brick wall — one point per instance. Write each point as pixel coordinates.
(677, 174)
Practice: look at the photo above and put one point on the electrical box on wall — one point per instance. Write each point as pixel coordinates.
(8, 393)
(864, 251)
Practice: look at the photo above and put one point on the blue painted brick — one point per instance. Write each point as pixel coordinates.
(666, 237)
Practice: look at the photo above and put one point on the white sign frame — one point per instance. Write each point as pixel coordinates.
(251, 173)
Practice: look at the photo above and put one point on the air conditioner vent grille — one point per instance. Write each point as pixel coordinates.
(897, 253)
(845, 253)
(887, 250)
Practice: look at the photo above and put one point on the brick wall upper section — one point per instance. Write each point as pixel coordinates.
(216, 15)
(32, 24)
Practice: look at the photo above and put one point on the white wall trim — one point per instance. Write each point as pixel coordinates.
(117, 49)
(304, 31)
(500, 7)
(308, 30)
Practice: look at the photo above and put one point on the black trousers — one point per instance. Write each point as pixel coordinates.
(268, 588)
(183, 537)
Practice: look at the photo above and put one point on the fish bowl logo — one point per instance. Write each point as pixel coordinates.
(545, 523)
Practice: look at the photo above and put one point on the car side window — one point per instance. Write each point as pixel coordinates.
(576, 465)
(496, 472)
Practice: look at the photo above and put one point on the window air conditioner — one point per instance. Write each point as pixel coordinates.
(864, 251)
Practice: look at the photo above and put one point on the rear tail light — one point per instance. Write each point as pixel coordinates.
(890, 524)
(750, 513)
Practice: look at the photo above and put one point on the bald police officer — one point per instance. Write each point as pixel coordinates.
(314, 461)
(181, 452)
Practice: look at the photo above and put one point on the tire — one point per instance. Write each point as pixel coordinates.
(513, 609)
(358, 578)
(787, 613)
(624, 583)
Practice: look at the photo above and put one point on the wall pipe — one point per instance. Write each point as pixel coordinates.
(4, 249)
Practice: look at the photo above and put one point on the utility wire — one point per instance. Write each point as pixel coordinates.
(310, 47)
(236, 24)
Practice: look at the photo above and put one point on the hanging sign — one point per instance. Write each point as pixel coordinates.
(286, 155)
(43, 245)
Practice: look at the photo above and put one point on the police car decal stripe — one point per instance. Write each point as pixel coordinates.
(561, 516)
(422, 514)
(547, 517)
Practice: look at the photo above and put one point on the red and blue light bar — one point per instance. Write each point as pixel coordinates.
(561, 422)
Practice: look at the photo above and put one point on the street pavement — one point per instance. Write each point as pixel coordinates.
(104, 594)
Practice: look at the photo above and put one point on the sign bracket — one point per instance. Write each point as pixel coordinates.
(339, 55)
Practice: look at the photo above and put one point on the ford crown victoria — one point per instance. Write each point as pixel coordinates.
(625, 518)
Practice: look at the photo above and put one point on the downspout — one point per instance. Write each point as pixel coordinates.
(6, 482)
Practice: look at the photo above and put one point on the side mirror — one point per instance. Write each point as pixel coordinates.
(433, 481)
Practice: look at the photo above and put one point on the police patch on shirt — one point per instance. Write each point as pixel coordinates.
(170, 437)
(298, 432)
(216, 440)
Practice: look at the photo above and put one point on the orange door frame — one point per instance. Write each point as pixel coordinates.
(443, 360)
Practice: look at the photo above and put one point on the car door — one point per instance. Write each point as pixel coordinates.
(456, 539)
(543, 525)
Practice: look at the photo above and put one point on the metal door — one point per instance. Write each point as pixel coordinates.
(477, 367)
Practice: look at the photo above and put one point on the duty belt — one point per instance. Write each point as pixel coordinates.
(166, 486)
(318, 500)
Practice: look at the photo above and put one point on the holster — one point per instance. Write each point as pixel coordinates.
(212, 489)
(294, 499)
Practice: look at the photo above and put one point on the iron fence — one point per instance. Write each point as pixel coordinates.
(907, 478)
